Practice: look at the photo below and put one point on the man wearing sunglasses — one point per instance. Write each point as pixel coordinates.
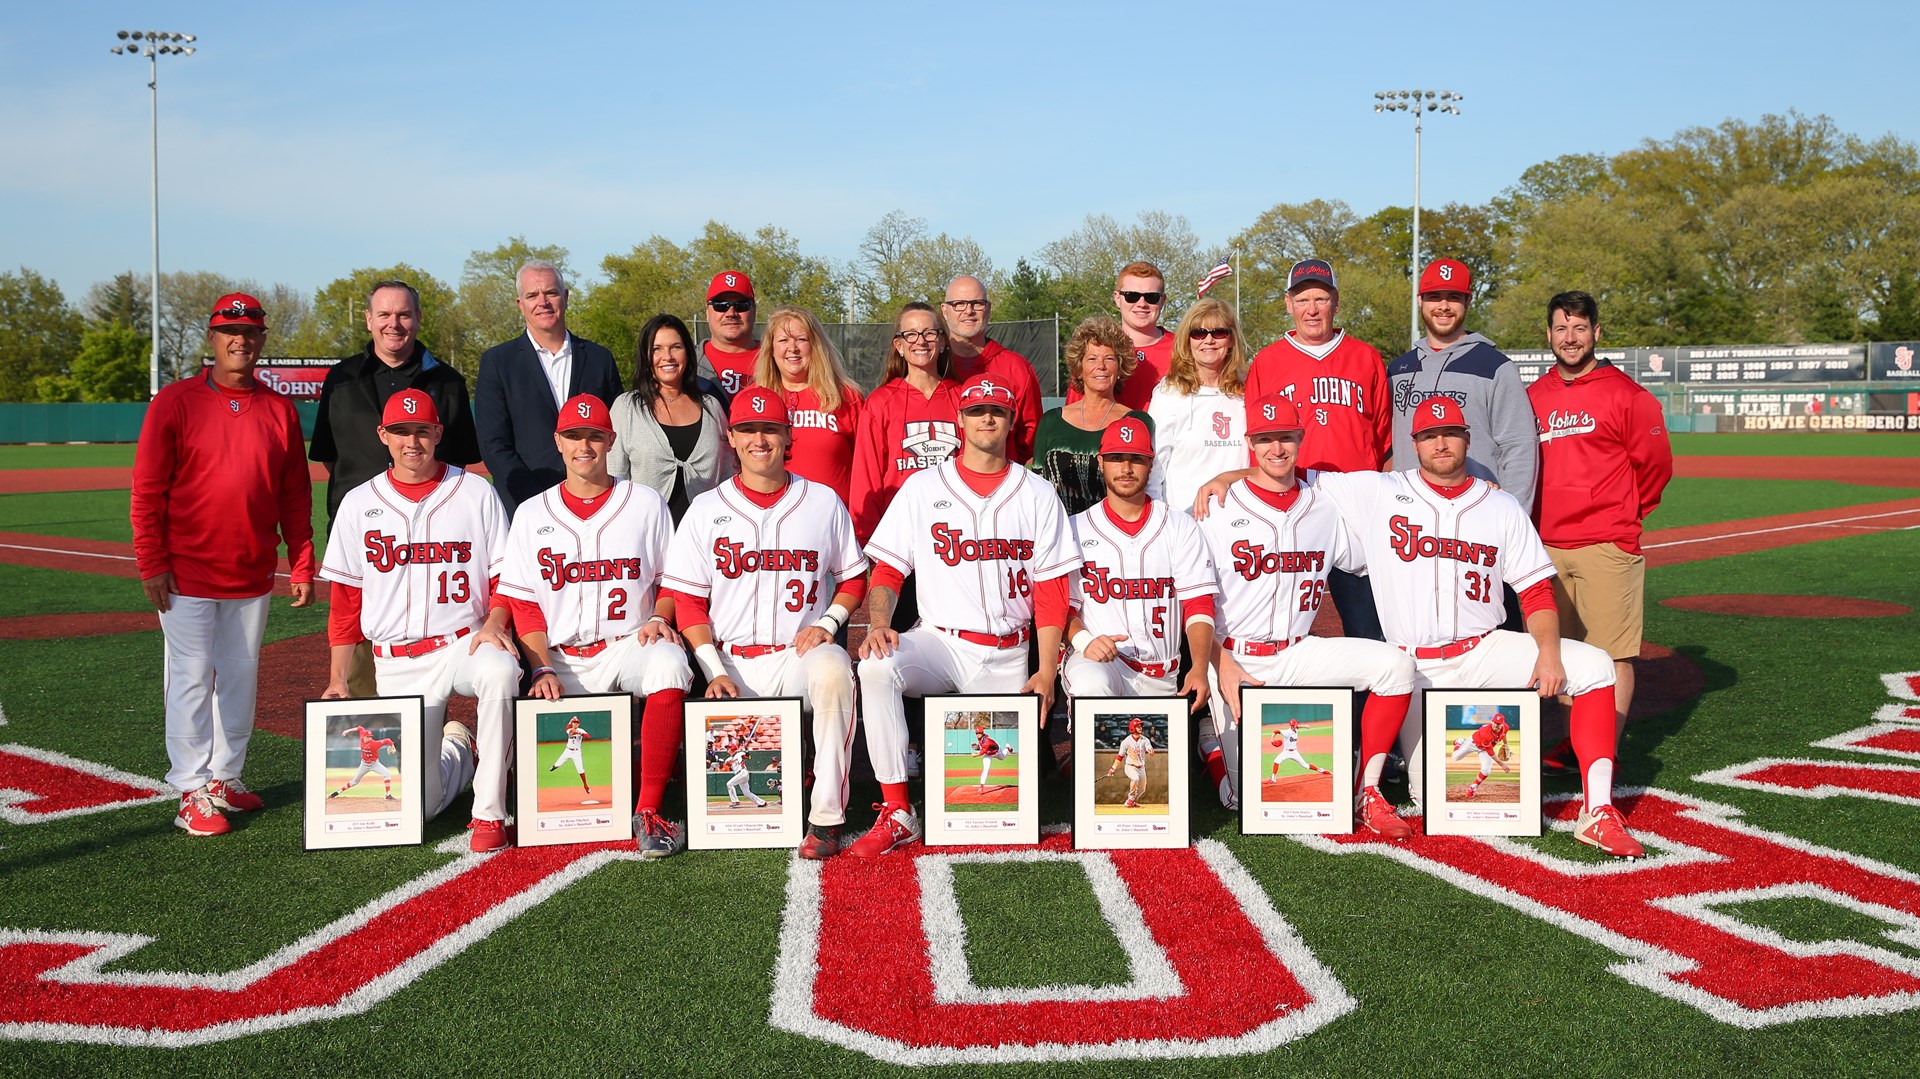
(967, 312)
(1140, 293)
(728, 357)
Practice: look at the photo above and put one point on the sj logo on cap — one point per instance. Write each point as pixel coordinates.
(409, 405)
(1126, 434)
(1267, 411)
(732, 281)
(1439, 411)
(1446, 272)
(585, 410)
(759, 404)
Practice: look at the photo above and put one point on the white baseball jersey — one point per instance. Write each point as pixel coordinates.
(975, 557)
(574, 737)
(1132, 586)
(767, 573)
(422, 567)
(1272, 566)
(1134, 751)
(1437, 563)
(737, 763)
(594, 579)
(1289, 740)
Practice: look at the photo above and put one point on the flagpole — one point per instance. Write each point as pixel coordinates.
(1236, 283)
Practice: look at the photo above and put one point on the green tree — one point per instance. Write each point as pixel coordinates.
(39, 333)
(111, 364)
(338, 324)
(900, 263)
(1087, 259)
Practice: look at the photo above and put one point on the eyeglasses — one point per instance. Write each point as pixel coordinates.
(1218, 334)
(724, 306)
(966, 305)
(1136, 297)
(240, 312)
(929, 336)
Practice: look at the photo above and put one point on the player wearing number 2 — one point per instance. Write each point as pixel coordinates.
(1443, 544)
(583, 561)
(991, 548)
(413, 557)
(762, 573)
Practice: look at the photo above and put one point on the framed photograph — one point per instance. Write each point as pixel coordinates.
(363, 783)
(743, 759)
(1130, 773)
(573, 769)
(1482, 749)
(1296, 760)
(983, 771)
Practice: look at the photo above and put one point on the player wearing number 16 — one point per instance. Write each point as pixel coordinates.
(991, 549)
(762, 573)
(413, 558)
(584, 560)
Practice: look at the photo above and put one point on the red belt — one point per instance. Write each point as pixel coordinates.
(417, 648)
(1151, 670)
(1445, 651)
(1259, 648)
(750, 651)
(588, 651)
(971, 637)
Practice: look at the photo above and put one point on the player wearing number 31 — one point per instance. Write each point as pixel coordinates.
(762, 574)
(583, 562)
(413, 557)
(991, 549)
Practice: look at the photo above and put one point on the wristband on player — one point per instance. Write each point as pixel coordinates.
(709, 659)
(538, 671)
(662, 619)
(1200, 619)
(1081, 640)
(835, 617)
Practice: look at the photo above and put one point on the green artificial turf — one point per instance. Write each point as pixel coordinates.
(1710, 501)
(90, 455)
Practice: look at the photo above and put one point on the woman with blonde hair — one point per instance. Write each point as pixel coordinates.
(799, 363)
(1199, 409)
(1066, 444)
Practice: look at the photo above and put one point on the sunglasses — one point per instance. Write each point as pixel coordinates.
(240, 312)
(1136, 297)
(724, 306)
(1197, 333)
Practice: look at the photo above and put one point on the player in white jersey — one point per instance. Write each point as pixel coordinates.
(1132, 754)
(1443, 544)
(740, 785)
(576, 734)
(583, 565)
(1145, 573)
(413, 558)
(1272, 543)
(762, 574)
(991, 548)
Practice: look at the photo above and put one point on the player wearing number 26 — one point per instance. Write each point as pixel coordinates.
(413, 557)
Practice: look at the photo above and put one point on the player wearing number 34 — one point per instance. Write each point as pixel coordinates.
(413, 557)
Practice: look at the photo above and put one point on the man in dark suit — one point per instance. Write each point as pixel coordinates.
(517, 397)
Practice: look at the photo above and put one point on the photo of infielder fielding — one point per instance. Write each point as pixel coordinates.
(1130, 753)
(1296, 752)
(983, 765)
(1485, 745)
(743, 766)
(359, 747)
(577, 748)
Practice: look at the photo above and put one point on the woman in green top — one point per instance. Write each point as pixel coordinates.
(1066, 445)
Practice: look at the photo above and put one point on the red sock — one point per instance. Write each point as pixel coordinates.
(894, 794)
(1380, 724)
(1590, 726)
(660, 724)
(1217, 767)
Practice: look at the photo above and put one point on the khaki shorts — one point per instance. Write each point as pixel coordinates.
(1602, 593)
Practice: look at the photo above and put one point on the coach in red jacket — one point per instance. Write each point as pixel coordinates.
(1604, 461)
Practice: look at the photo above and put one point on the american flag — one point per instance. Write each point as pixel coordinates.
(1214, 276)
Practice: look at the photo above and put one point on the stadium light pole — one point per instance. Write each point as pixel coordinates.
(1417, 102)
(153, 44)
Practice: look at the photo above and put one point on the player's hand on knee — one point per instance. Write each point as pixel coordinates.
(722, 687)
(302, 593)
(881, 642)
(1104, 648)
(159, 590)
(498, 638)
(1549, 676)
(810, 638)
(656, 629)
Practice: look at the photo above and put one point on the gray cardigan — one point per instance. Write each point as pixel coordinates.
(640, 451)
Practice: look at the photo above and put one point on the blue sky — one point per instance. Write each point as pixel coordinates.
(303, 141)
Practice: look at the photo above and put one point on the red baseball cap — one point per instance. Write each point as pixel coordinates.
(1272, 413)
(1446, 275)
(584, 410)
(733, 281)
(983, 389)
(1127, 435)
(238, 309)
(757, 404)
(410, 406)
(1438, 412)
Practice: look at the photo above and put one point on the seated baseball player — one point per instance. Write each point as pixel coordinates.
(414, 558)
(1272, 543)
(991, 548)
(762, 573)
(1444, 544)
(583, 563)
(1146, 571)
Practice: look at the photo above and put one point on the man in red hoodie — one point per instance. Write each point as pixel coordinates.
(1604, 461)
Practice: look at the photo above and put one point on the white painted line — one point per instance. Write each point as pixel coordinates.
(1782, 528)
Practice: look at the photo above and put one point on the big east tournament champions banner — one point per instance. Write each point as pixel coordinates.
(298, 377)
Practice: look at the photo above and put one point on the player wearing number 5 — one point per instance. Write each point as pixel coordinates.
(583, 561)
(991, 548)
(762, 574)
(413, 557)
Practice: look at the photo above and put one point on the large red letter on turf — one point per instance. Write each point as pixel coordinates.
(1822, 779)
(40, 785)
(1665, 912)
(872, 957)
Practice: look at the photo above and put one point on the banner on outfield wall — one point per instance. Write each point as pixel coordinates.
(1738, 365)
(1891, 361)
(1821, 422)
(298, 377)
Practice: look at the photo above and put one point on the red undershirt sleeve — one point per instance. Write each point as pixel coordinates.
(855, 588)
(688, 609)
(1538, 598)
(1198, 605)
(887, 575)
(527, 616)
(1050, 602)
(343, 615)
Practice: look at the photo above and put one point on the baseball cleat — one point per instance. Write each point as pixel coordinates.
(488, 835)
(656, 837)
(1560, 760)
(1472, 788)
(199, 816)
(391, 798)
(823, 841)
(336, 794)
(896, 827)
(1132, 804)
(1378, 815)
(733, 805)
(1606, 828)
(233, 794)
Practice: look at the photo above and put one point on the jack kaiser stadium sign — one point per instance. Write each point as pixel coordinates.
(298, 377)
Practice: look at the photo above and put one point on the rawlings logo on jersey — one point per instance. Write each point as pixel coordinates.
(1250, 560)
(1410, 543)
(1100, 586)
(953, 548)
(385, 553)
(557, 571)
(732, 560)
(927, 443)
